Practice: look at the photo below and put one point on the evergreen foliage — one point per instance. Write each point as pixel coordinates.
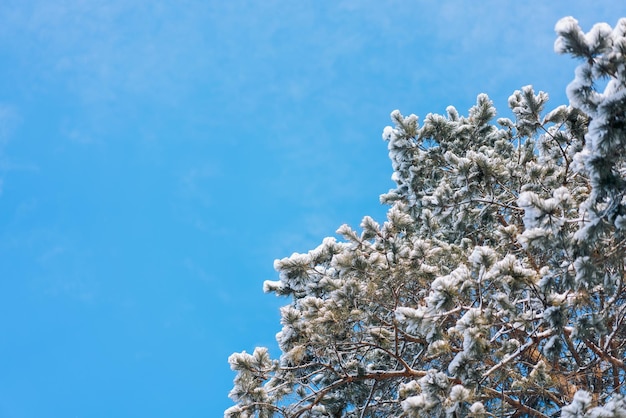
(496, 285)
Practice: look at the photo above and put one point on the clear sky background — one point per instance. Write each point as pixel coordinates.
(157, 156)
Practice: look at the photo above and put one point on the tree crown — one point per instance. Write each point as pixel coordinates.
(495, 287)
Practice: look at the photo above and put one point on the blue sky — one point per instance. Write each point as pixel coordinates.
(157, 156)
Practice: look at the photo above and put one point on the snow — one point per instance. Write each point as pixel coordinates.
(459, 393)
(389, 134)
(415, 403)
(565, 25)
(598, 36)
(477, 408)
(534, 208)
(578, 407)
(482, 256)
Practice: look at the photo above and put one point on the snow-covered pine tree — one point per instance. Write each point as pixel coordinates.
(496, 285)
